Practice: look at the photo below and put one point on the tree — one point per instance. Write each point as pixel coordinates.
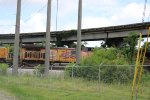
(129, 48)
(148, 48)
(89, 67)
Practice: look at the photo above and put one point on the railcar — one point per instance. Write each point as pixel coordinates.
(32, 55)
(56, 54)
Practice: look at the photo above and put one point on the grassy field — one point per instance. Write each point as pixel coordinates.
(33, 88)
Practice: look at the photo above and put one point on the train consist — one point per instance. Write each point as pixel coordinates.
(31, 55)
(36, 54)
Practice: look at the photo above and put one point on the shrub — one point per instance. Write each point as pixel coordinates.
(89, 68)
(3, 69)
(39, 70)
(113, 74)
(145, 76)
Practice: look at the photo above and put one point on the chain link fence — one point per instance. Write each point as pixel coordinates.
(103, 79)
(104, 82)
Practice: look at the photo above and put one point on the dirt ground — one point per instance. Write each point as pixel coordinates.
(5, 96)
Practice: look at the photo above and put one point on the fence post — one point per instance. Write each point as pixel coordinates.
(136, 93)
(99, 79)
(72, 72)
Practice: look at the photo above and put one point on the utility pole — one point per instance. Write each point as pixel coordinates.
(57, 5)
(78, 57)
(144, 11)
(47, 48)
(16, 42)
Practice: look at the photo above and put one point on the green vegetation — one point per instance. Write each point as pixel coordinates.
(33, 88)
(64, 35)
(109, 56)
(148, 48)
(68, 34)
(89, 68)
(3, 69)
(108, 65)
(38, 70)
(10, 47)
(129, 47)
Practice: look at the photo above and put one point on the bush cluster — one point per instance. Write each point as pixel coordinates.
(3, 69)
(39, 70)
(89, 68)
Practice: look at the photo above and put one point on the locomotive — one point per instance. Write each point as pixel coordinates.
(31, 54)
(3, 54)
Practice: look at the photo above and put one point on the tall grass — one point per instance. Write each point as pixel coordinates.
(58, 88)
(3, 69)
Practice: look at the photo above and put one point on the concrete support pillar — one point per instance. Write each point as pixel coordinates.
(78, 57)
(16, 42)
(47, 48)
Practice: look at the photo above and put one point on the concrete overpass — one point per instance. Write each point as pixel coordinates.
(92, 34)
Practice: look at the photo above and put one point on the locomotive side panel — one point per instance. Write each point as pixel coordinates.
(3, 53)
(42, 54)
(53, 55)
(66, 55)
(22, 53)
(30, 55)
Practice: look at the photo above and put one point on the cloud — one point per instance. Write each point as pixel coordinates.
(96, 13)
(36, 23)
(24, 2)
(8, 2)
(89, 22)
(92, 22)
(7, 29)
(130, 13)
(37, 1)
(6, 26)
(99, 3)
(67, 7)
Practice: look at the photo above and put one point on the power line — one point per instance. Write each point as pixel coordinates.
(34, 13)
(7, 25)
(25, 4)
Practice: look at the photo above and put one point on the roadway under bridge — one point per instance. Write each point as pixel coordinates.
(111, 33)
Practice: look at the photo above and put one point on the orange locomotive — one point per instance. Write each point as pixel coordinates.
(56, 54)
(37, 54)
(3, 54)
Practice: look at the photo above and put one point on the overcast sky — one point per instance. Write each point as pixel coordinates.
(96, 13)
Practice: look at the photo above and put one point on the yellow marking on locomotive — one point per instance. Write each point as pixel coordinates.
(3, 53)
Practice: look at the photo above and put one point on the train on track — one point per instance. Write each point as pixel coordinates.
(31, 55)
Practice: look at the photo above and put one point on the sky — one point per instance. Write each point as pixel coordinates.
(96, 13)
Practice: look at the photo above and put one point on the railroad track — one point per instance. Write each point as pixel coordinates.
(50, 68)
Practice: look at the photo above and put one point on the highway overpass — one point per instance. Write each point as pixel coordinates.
(92, 34)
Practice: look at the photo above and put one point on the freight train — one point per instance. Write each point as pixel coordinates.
(31, 54)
